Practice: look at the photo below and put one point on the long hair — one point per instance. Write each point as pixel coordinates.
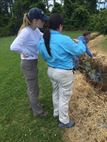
(54, 22)
(26, 22)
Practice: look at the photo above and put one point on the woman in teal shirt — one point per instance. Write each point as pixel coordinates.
(58, 51)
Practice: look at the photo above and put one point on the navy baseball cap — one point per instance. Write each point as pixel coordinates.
(36, 13)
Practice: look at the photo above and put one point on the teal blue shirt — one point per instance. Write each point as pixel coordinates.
(63, 49)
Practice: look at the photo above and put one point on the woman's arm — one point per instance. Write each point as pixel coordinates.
(18, 44)
(74, 48)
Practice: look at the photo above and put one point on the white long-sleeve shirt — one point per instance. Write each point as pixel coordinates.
(26, 43)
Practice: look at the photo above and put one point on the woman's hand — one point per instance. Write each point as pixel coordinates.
(76, 40)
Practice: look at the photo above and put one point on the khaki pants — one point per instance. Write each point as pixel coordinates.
(62, 82)
(30, 71)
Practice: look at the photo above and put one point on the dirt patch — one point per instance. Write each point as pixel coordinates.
(88, 106)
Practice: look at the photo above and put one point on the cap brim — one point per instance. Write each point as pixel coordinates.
(45, 18)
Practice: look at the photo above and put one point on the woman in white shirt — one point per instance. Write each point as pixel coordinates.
(26, 44)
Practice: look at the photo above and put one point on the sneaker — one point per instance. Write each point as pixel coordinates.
(68, 125)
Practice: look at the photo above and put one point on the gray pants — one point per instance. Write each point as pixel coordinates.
(30, 71)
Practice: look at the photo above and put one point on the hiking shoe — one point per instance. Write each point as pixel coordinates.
(68, 125)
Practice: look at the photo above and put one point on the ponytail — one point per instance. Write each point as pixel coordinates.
(46, 37)
(54, 23)
(26, 22)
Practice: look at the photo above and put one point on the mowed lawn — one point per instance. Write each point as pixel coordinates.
(16, 121)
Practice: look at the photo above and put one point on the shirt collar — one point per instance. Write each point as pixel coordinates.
(55, 32)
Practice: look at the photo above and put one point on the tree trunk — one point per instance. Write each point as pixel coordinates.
(54, 2)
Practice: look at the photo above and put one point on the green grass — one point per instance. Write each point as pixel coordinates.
(73, 34)
(16, 121)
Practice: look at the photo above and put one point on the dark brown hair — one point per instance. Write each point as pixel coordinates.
(86, 33)
(54, 22)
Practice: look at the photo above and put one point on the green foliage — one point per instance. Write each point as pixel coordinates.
(4, 26)
(11, 28)
(78, 14)
(57, 8)
(4, 7)
(40, 5)
(69, 7)
(91, 5)
(98, 22)
(102, 21)
(79, 18)
(4, 20)
(92, 21)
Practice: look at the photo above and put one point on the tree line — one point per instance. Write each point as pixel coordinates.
(78, 14)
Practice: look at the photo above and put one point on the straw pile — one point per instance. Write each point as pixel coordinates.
(88, 107)
(89, 110)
